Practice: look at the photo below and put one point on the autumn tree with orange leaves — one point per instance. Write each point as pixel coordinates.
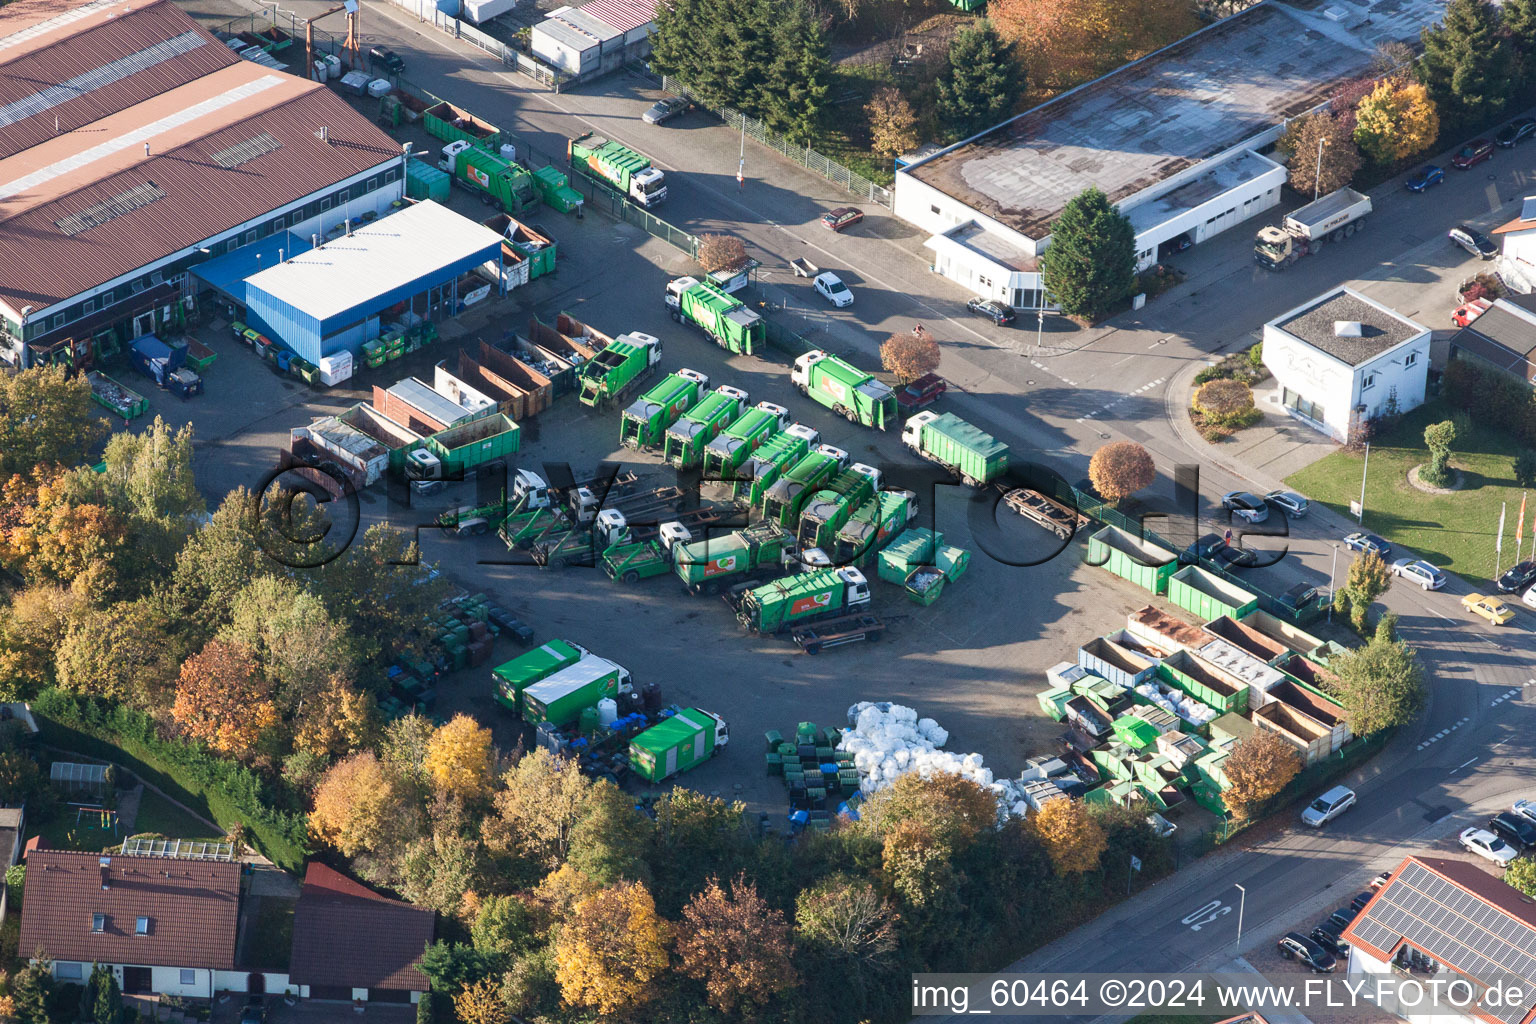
(612, 950)
(1066, 42)
(222, 700)
(1073, 838)
(738, 946)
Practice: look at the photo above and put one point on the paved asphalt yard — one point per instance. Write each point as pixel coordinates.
(1470, 754)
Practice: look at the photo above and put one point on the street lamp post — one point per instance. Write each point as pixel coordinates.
(1317, 175)
(1331, 570)
(1360, 519)
(1241, 901)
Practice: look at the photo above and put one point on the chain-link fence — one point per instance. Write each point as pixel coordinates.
(600, 197)
(805, 156)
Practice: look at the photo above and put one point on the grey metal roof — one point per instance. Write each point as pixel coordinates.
(566, 34)
(418, 394)
(1381, 329)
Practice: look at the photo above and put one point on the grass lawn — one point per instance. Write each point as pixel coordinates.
(157, 814)
(1454, 531)
(271, 938)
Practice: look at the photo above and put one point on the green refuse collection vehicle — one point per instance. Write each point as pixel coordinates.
(872, 526)
(611, 374)
(561, 698)
(783, 501)
(972, 454)
(800, 598)
(728, 321)
(724, 455)
(511, 679)
(845, 389)
(758, 549)
(830, 507)
(760, 471)
(685, 439)
(483, 171)
(627, 171)
(633, 561)
(644, 423)
(676, 744)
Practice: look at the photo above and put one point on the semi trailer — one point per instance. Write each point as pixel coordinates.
(685, 440)
(1332, 218)
(644, 423)
(845, 389)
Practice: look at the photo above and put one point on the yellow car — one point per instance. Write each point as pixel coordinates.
(1490, 608)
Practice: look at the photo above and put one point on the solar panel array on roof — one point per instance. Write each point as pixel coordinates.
(245, 152)
(1457, 929)
(123, 202)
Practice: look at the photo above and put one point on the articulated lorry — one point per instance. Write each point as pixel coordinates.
(724, 455)
(1332, 218)
(792, 600)
(972, 454)
(760, 471)
(685, 439)
(618, 369)
(510, 680)
(561, 697)
(725, 319)
(845, 389)
(829, 508)
(761, 549)
(676, 744)
(644, 424)
(783, 501)
(483, 171)
(625, 170)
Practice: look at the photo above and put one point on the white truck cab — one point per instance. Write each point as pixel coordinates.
(800, 373)
(722, 731)
(611, 528)
(777, 411)
(736, 393)
(674, 534)
(649, 187)
(423, 465)
(834, 452)
(675, 289)
(912, 430)
(857, 594)
(451, 155)
(701, 379)
(531, 491)
(864, 469)
(646, 341)
(810, 435)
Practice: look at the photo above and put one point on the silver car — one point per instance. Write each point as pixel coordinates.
(1416, 570)
(1328, 806)
(1245, 505)
(1289, 502)
(665, 109)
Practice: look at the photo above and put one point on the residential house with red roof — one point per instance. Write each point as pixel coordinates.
(349, 942)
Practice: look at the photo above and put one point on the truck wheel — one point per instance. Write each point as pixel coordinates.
(678, 317)
(1337, 236)
(813, 648)
(631, 577)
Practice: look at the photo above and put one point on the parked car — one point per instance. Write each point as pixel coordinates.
(1340, 918)
(830, 287)
(383, 56)
(1416, 570)
(665, 109)
(1517, 131)
(1242, 558)
(842, 217)
(1175, 245)
(1245, 505)
(1297, 597)
(1295, 946)
(1517, 577)
(1289, 502)
(1366, 542)
(1487, 846)
(1209, 546)
(1490, 608)
(999, 313)
(1464, 314)
(1329, 937)
(1515, 830)
(1526, 809)
(922, 392)
(1474, 241)
(1425, 177)
(1529, 597)
(1361, 899)
(1328, 806)
(1472, 154)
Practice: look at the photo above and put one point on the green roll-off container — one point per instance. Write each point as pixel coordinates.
(1145, 564)
(423, 181)
(1207, 595)
(471, 444)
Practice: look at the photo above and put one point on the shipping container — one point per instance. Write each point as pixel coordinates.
(423, 180)
(399, 440)
(1203, 681)
(676, 744)
(511, 679)
(725, 454)
(644, 424)
(1114, 662)
(1054, 701)
(1131, 558)
(845, 389)
(971, 453)
(555, 190)
(561, 697)
(1157, 629)
(1208, 596)
(1247, 639)
(520, 396)
(463, 447)
(1310, 738)
(1317, 705)
(116, 397)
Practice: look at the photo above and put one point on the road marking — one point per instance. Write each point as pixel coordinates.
(1046, 369)
(1205, 915)
(1461, 766)
(1111, 404)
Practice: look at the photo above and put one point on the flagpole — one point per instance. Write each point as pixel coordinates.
(1498, 544)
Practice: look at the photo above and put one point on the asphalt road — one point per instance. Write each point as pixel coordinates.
(1473, 750)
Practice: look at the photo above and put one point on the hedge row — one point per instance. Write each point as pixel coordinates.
(219, 789)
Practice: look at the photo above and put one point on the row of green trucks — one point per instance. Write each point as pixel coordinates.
(684, 442)
(557, 682)
(644, 424)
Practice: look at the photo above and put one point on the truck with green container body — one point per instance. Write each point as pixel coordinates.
(627, 171)
(725, 454)
(634, 560)
(728, 321)
(759, 549)
(761, 471)
(561, 697)
(872, 526)
(511, 679)
(676, 744)
(480, 170)
(644, 424)
(845, 389)
(686, 439)
(619, 368)
(830, 507)
(800, 598)
(784, 501)
(967, 451)
(460, 449)
(447, 122)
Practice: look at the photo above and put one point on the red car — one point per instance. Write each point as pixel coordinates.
(1472, 154)
(923, 391)
(842, 217)
(1470, 311)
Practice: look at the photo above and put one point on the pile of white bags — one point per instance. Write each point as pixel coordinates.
(1181, 704)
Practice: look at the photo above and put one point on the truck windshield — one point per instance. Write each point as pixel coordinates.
(651, 187)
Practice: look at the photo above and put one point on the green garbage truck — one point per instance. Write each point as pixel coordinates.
(872, 526)
(724, 455)
(644, 423)
(611, 374)
(560, 698)
(685, 439)
(830, 507)
(510, 680)
(676, 744)
(972, 454)
(635, 560)
(619, 166)
(800, 598)
(483, 171)
(759, 549)
(724, 318)
(845, 389)
(783, 501)
(760, 471)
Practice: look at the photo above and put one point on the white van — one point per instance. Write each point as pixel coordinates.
(1328, 806)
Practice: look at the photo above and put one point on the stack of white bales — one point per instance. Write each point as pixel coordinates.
(1176, 701)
